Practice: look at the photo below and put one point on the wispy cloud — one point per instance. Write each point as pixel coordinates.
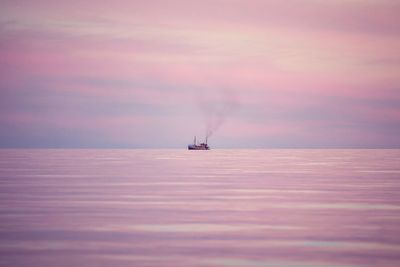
(129, 70)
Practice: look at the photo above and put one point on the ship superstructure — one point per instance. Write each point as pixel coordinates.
(201, 146)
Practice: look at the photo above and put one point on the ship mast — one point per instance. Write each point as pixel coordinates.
(194, 141)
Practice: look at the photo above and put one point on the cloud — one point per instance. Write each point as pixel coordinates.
(128, 70)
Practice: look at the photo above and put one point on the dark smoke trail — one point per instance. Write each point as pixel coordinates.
(216, 109)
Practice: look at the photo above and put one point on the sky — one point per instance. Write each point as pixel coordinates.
(152, 74)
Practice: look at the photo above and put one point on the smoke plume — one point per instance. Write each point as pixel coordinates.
(216, 108)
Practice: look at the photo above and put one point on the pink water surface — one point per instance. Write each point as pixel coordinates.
(178, 208)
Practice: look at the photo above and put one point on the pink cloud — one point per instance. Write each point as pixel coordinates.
(323, 65)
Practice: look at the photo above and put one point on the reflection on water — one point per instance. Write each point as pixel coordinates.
(289, 208)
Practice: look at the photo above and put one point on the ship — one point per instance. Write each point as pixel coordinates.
(195, 146)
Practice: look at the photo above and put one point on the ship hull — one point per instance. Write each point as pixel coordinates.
(194, 147)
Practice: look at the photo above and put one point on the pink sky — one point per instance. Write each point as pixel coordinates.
(302, 73)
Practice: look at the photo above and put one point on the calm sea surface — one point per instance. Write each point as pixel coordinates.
(178, 208)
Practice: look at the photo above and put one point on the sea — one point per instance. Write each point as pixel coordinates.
(217, 208)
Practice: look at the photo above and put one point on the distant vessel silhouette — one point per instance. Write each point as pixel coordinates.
(195, 146)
